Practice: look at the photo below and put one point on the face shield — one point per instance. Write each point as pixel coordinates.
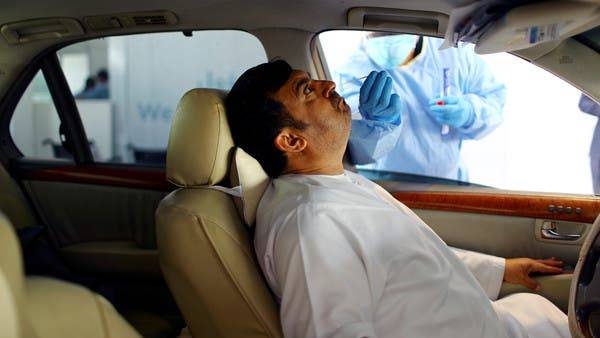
(390, 51)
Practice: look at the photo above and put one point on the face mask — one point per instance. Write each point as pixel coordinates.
(390, 51)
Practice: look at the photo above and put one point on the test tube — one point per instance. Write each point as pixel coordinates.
(444, 93)
(352, 80)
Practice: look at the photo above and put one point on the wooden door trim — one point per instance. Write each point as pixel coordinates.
(523, 205)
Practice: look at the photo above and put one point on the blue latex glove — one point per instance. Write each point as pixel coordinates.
(453, 111)
(377, 102)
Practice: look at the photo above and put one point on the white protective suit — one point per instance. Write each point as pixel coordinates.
(417, 145)
(348, 260)
(589, 106)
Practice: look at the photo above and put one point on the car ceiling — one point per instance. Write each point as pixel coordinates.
(310, 15)
(307, 15)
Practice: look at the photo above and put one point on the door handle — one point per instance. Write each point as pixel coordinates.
(549, 231)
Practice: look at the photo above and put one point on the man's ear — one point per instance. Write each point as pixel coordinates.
(290, 141)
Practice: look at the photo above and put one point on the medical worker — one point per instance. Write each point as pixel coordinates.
(417, 104)
(589, 106)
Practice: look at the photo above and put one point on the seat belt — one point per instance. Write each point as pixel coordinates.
(235, 191)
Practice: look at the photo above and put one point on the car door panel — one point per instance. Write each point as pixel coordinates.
(502, 223)
(505, 236)
(13, 202)
(100, 217)
(87, 212)
(509, 225)
(122, 258)
(508, 236)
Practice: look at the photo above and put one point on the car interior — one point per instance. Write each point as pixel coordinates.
(155, 239)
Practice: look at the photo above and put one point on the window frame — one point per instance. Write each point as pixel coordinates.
(9, 150)
(64, 102)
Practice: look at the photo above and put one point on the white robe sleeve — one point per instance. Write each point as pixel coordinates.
(323, 284)
(487, 269)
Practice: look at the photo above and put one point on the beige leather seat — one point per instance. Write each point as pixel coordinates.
(205, 250)
(37, 307)
(11, 284)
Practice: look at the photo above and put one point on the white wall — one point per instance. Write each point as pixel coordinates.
(150, 73)
(21, 125)
(544, 141)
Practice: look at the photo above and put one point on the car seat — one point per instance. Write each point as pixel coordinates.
(39, 307)
(204, 245)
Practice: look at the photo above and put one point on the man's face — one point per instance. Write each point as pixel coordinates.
(316, 103)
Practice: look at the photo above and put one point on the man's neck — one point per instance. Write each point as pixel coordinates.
(315, 161)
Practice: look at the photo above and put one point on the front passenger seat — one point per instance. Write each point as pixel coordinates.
(204, 248)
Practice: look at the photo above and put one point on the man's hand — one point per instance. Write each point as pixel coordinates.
(517, 270)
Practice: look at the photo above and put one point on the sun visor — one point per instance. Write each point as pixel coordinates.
(529, 25)
(399, 20)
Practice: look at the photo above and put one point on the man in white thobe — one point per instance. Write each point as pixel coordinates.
(342, 255)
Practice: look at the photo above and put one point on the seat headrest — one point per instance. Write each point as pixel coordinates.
(201, 149)
(200, 143)
(253, 180)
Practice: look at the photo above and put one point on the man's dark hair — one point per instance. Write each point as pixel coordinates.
(102, 75)
(255, 118)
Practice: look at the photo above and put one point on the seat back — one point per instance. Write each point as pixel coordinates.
(204, 247)
(9, 318)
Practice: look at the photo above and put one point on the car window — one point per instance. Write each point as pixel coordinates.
(35, 123)
(140, 78)
(493, 120)
(126, 89)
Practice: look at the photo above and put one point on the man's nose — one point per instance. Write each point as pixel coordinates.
(327, 87)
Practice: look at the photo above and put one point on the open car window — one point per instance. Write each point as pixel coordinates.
(507, 123)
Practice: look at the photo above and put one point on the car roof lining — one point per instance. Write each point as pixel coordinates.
(285, 33)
